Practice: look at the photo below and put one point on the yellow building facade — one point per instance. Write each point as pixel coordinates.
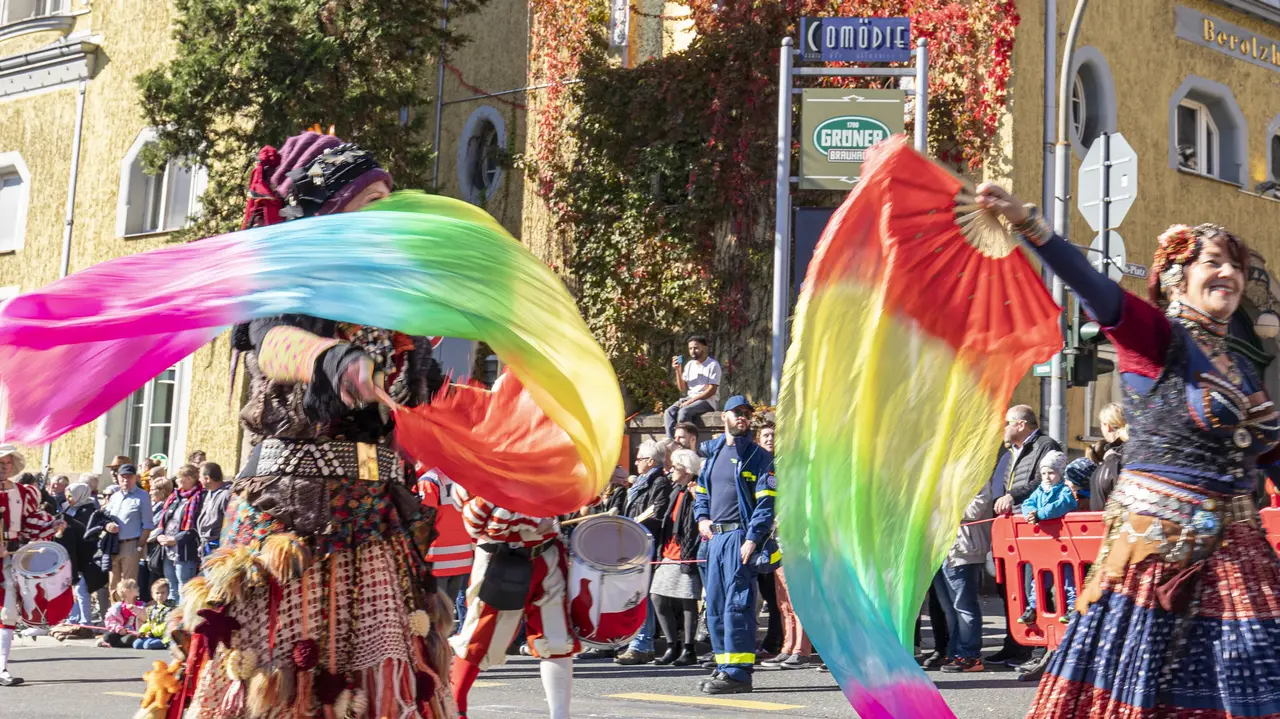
(68, 100)
(1194, 87)
(69, 114)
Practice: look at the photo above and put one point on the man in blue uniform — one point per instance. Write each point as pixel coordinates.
(734, 509)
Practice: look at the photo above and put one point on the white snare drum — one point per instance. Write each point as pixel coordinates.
(42, 574)
(609, 580)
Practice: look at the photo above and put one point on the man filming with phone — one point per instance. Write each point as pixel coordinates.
(699, 380)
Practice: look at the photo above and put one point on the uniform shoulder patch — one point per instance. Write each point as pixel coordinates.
(771, 480)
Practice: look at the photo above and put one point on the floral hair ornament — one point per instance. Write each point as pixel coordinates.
(1177, 246)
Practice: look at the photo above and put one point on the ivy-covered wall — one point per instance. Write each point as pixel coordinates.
(657, 179)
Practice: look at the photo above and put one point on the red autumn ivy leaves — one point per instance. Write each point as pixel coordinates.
(661, 176)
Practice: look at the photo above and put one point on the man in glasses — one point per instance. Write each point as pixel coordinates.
(1027, 446)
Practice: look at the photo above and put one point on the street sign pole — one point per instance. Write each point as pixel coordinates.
(782, 220)
(1062, 191)
(1105, 139)
(787, 72)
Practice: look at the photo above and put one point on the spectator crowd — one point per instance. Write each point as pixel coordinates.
(708, 505)
(133, 544)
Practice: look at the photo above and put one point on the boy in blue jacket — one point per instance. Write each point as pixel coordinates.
(1051, 500)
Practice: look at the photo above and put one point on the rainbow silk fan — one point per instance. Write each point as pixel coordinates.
(917, 318)
(421, 264)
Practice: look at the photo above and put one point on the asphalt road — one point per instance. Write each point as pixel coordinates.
(76, 680)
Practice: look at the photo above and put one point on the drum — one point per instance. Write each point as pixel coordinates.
(609, 580)
(42, 574)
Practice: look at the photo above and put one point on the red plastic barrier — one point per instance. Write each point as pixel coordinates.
(1049, 548)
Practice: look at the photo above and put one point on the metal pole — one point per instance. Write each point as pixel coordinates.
(1046, 183)
(435, 142)
(1106, 202)
(922, 96)
(1061, 195)
(65, 266)
(782, 218)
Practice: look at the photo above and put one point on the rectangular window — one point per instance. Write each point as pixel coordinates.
(163, 201)
(149, 417)
(1198, 139)
(17, 10)
(10, 202)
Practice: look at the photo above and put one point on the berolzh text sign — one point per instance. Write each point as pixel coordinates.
(855, 39)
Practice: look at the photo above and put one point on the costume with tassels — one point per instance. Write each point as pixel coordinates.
(1180, 617)
(320, 602)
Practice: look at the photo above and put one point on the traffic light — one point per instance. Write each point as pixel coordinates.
(1085, 364)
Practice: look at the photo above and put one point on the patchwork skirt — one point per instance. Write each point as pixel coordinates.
(1127, 657)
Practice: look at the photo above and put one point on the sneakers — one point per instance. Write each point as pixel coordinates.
(1037, 656)
(776, 662)
(1066, 618)
(8, 680)
(934, 660)
(822, 669)
(597, 654)
(631, 658)
(724, 685)
(964, 666)
(1028, 617)
(1009, 657)
(1032, 671)
(795, 661)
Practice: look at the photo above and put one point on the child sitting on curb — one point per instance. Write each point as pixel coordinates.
(152, 634)
(125, 616)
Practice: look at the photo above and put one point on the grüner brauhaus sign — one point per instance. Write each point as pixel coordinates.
(1227, 38)
(837, 126)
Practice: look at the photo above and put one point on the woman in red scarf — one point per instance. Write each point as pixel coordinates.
(176, 526)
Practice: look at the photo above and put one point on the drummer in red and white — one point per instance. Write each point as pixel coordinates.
(520, 574)
(22, 520)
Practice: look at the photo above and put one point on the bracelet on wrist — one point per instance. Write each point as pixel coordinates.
(1034, 229)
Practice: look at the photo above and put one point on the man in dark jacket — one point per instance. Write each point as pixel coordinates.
(734, 508)
(648, 502)
(1027, 446)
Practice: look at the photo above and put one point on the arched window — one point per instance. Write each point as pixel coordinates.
(1207, 131)
(158, 202)
(480, 152)
(1092, 109)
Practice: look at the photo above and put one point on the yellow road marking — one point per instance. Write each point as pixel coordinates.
(135, 695)
(709, 701)
(481, 684)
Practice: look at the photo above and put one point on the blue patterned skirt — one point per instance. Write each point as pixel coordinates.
(1126, 657)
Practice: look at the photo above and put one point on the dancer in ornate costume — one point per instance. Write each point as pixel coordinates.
(1180, 616)
(320, 601)
(22, 520)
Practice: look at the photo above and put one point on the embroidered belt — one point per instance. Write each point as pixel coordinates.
(333, 458)
(1150, 515)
